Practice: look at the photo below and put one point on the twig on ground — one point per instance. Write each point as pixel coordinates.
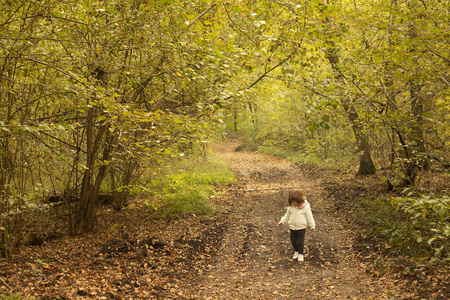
(7, 285)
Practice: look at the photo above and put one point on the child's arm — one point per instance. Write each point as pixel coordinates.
(310, 218)
(285, 218)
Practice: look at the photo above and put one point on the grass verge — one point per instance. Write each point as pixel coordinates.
(310, 157)
(187, 187)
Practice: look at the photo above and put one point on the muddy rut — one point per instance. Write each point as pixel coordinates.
(253, 260)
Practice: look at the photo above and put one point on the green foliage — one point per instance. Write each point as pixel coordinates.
(104, 89)
(380, 67)
(97, 90)
(416, 227)
(301, 129)
(188, 186)
(430, 216)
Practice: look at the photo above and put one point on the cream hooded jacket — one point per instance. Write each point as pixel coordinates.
(299, 218)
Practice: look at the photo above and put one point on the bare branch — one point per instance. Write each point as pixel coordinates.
(201, 15)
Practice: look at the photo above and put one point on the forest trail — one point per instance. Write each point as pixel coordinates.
(237, 253)
(254, 258)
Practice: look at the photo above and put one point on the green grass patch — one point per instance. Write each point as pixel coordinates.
(187, 187)
(309, 157)
(418, 227)
(13, 296)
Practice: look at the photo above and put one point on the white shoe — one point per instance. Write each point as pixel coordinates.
(295, 257)
(300, 257)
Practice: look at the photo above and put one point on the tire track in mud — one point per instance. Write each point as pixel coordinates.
(254, 259)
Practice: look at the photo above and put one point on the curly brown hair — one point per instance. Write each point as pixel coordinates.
(296, 196)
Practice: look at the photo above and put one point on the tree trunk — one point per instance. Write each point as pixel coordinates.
(121, 195)
(90, 187)
(5, 244)
(418, 160)
(86, 210)
(252, 108)
(366, 165)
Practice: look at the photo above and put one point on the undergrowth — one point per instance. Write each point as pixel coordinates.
(187, 187)
(418, 227)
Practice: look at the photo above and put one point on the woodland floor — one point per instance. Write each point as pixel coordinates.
(238, 253)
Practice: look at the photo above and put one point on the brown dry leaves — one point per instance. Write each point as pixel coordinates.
(237, 254)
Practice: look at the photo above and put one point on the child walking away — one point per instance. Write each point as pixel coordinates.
(299, 217)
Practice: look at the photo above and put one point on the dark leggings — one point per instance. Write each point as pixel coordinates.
(298, 240)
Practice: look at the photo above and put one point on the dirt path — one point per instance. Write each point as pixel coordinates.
(238, 254)
(254, 259)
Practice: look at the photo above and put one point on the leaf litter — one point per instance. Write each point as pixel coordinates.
(237, 253)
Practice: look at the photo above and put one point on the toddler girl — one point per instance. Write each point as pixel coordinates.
(298, 216)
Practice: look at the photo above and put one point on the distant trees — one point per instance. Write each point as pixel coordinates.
(384, 65)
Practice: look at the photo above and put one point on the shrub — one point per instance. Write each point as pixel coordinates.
(417, 227)
(430, 218)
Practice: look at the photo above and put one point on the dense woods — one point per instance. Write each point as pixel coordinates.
(93, 93)
(380, 68)
(99, 96)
